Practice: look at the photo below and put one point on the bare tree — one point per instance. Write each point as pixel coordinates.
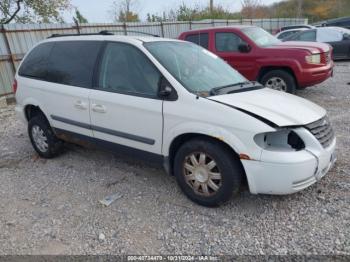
(299, 8)
(122, 11)
(249, 7)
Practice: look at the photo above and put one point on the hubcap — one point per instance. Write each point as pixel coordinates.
(39, 138)
(202, 174)
(276, 83)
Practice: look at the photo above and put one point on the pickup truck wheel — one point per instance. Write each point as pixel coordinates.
(279, 80)
(207, 172)
(44, 141)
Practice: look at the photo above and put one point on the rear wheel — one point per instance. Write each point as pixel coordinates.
(44, 141)
(279, 80)
(207, 172)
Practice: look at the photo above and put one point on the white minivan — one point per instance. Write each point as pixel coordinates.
(177, 104)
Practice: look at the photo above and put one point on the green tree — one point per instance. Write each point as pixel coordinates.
(79, 17)
(122, 11)
(32, 11)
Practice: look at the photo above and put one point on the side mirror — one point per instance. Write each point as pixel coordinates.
(166, 91)
(346, 36)
(244, 48)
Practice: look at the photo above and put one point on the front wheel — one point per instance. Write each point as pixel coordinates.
(279, 80)
(207, 172)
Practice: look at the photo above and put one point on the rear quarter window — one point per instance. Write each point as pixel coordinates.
(35, 63)
(72, 62)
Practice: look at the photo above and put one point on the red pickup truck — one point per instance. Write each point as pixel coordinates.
(261, 57)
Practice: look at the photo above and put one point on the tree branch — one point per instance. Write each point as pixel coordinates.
(18, 2)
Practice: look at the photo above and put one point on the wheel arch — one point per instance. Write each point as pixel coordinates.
(178, 141)
(31, 110)
(265, 69)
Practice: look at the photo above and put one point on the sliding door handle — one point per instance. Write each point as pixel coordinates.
(99, 108)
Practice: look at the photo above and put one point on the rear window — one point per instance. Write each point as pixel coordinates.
(72, 62)
(35, 64)
(201, 39)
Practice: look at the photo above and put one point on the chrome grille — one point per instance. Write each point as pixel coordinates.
(322, 130)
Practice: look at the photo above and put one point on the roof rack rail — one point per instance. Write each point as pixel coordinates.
(63, 35)
(106, 32)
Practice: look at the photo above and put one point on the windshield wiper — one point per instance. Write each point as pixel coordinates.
(229, 89)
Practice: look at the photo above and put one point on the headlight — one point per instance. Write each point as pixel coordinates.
(281, 140)
(313, 59)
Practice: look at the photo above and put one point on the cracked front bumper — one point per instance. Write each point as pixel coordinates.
(282, 173)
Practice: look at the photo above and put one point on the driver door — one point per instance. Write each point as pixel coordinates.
(226, 46)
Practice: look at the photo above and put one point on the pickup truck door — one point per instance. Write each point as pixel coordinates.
(226, 46)
(124, 106)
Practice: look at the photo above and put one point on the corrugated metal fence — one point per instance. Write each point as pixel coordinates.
(17, 39)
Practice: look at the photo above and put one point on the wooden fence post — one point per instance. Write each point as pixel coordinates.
(9, 100)
(8, 49)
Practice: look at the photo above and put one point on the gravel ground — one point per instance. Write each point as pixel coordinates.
(51, 206)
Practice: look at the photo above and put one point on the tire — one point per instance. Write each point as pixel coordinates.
(229, 168)
(48, 145)
(279, 80)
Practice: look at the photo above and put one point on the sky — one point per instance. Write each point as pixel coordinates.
(98, 11)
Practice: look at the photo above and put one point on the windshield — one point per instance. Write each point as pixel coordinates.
(260, 37)
(197, 69)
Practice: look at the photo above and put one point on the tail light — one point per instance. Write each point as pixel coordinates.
(14, 86)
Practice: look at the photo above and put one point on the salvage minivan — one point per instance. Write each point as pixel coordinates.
(175, 103)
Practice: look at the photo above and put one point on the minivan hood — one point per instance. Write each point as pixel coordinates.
(312, 47)
(277, 107)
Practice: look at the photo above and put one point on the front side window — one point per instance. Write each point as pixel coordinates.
(286, 34)
(227, 42)
(308, 36)
(197, 69)
(125, 69)
(201, 39)
(35, 64)
(72, 62)
(260, 37)
(329, 35)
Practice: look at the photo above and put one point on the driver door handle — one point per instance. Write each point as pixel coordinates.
(99, 108)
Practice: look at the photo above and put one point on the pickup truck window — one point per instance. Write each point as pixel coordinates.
(197, 69)
(227, 42)
(260, 37)
(201, 39)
